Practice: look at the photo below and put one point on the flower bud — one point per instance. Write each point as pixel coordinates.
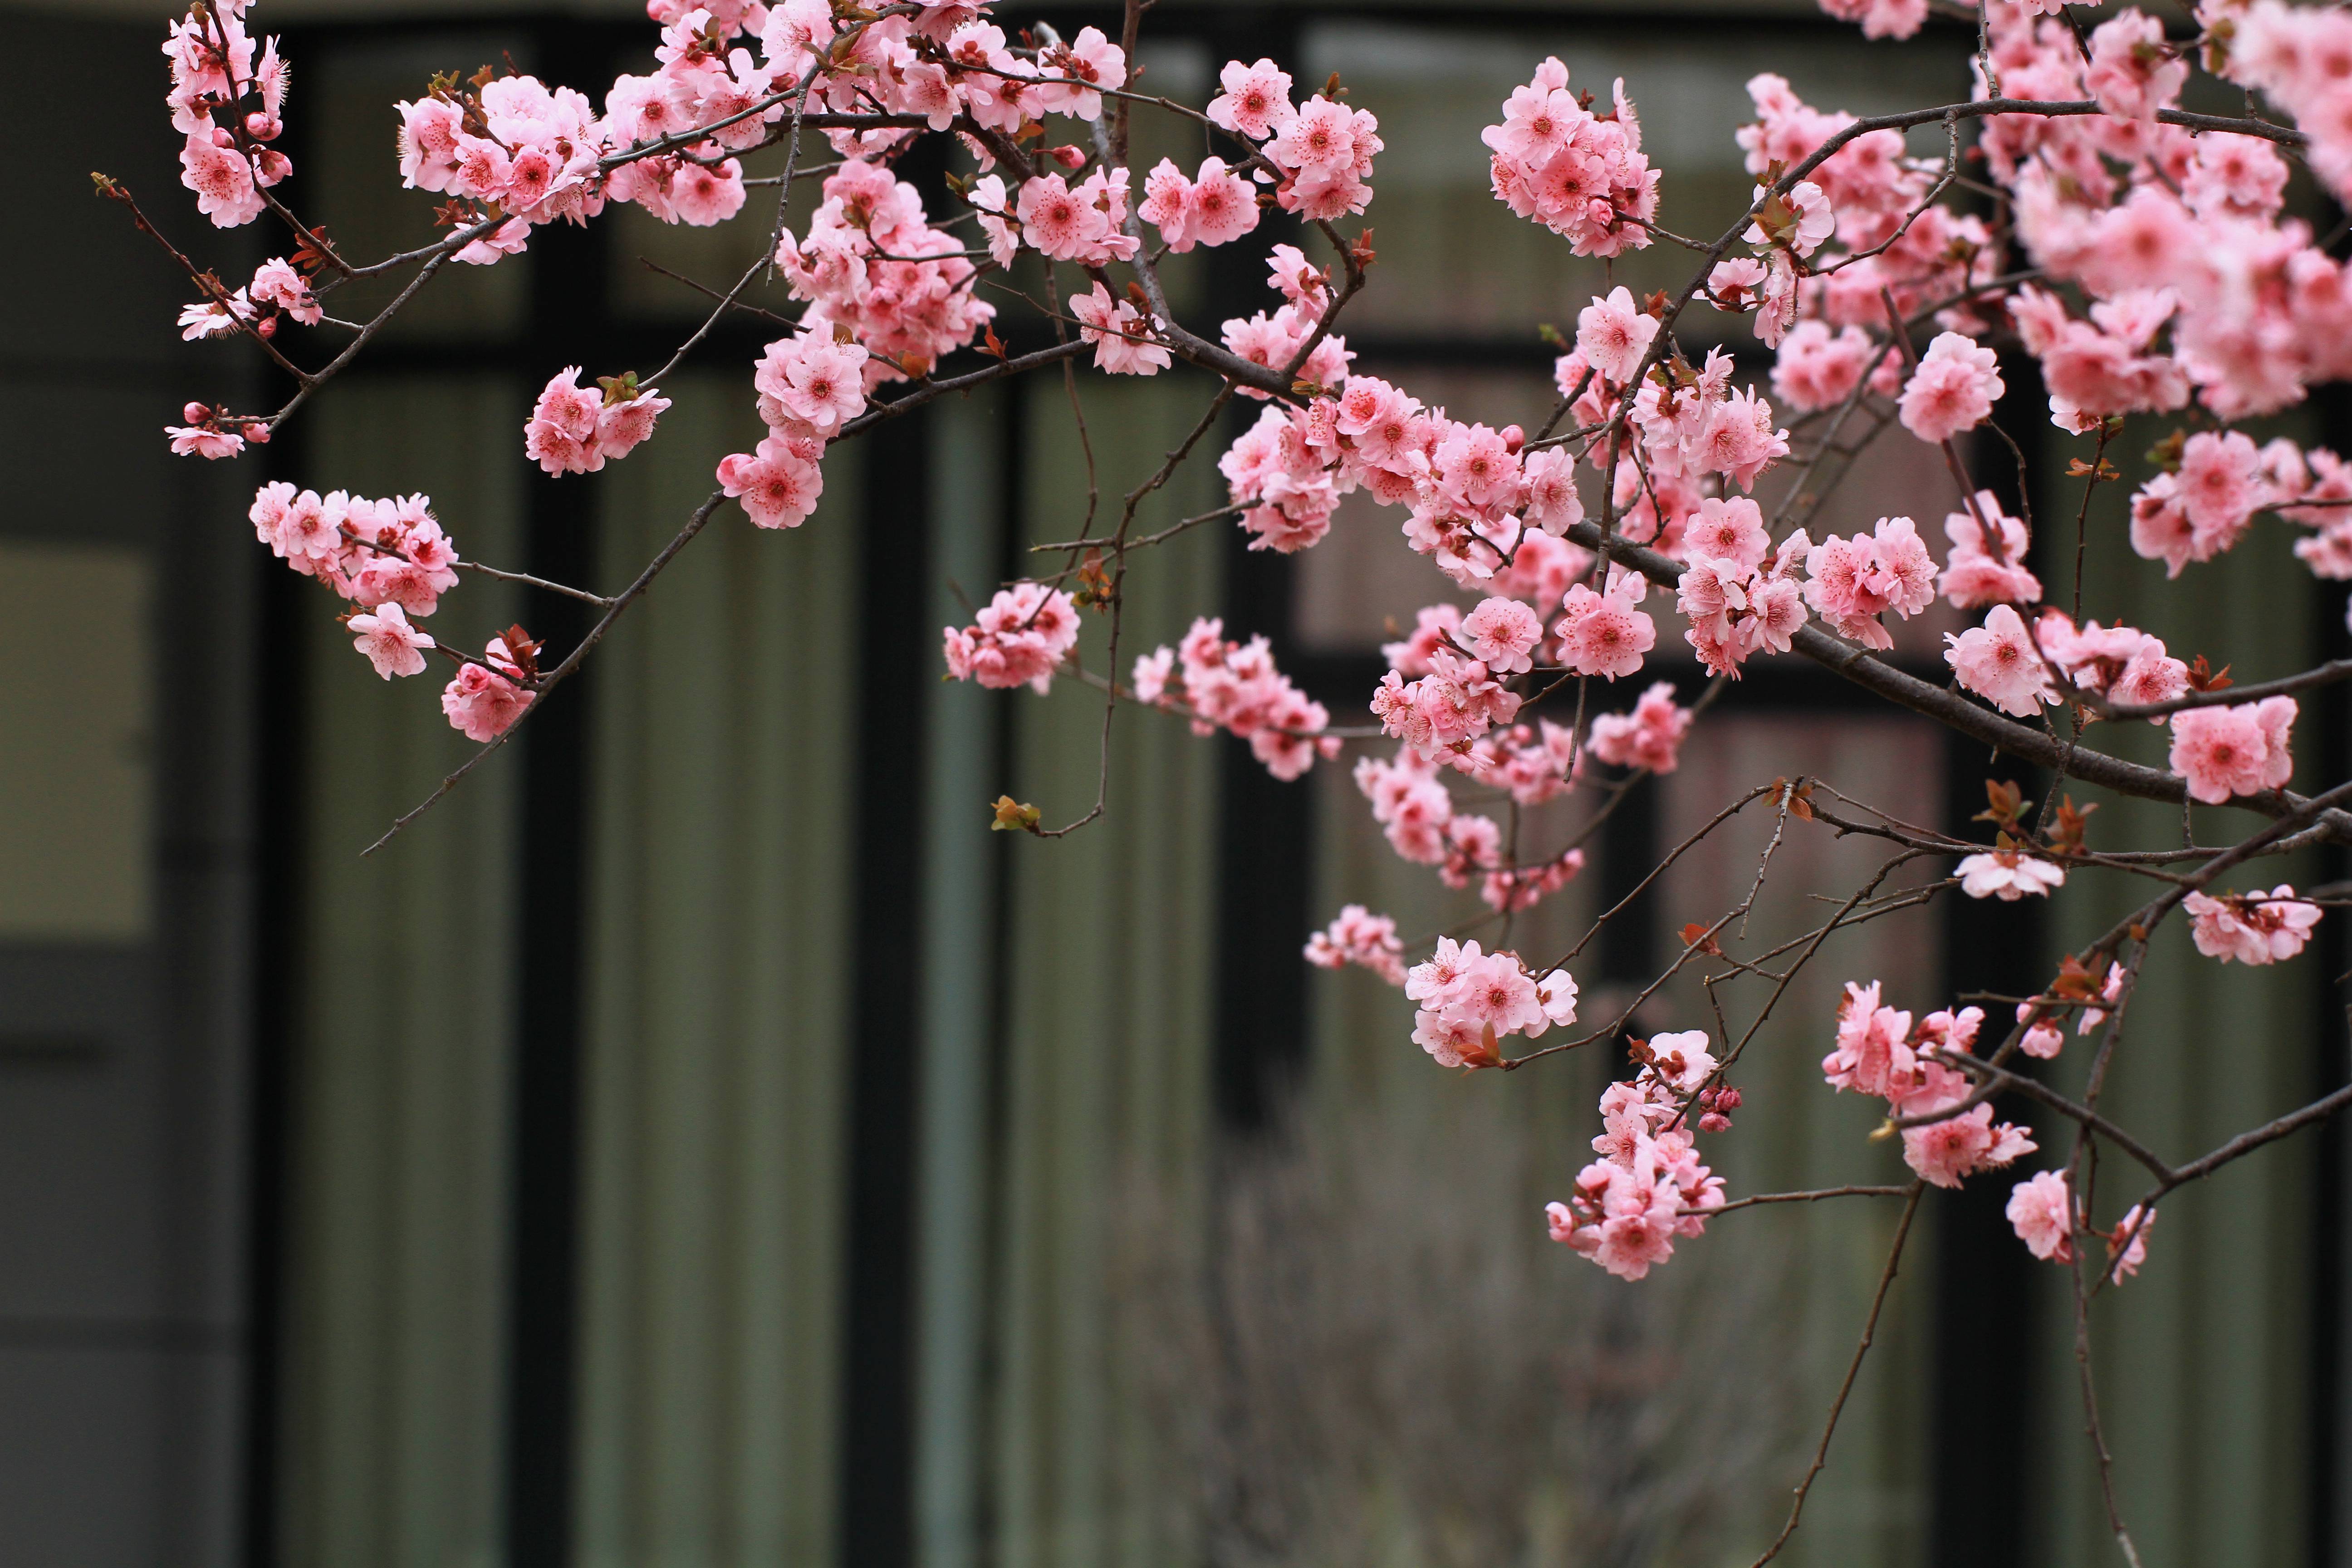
(1513, 439)
(195, 414)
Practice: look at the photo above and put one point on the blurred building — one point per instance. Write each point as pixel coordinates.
(700, 1141)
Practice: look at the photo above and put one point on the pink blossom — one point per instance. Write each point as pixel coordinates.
(1021, 637)
(1728, 529)
(481, 703)
(1256, 102)
(2043, 1039)
(1874, 1053)
(818, 381)
(2133, 72)
(2041, 1210)
(1650, 737)
(1855, 580)
(1602, 634)
(1499, 633)
(1360, 937)
(2009, 876)
(1123, 335)
(1945, 1152)
(2237, 749)
(1998, 662)
(391, 644)
(1236, 686)
(1816, 369)
(1613, 336)
(1953, 390)
(1973, 577)
(213, 441)
(211, 167)
(1738, 440)
(2252, 928)
(2130, 1239)
(778, 486)
(2219, 486)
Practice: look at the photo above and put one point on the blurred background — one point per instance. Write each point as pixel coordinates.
(702, 1142)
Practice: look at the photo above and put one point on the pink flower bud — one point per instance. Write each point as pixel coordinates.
(266, 328)
(261, 126)
(1068, 156)
(1513, 439)
(221, 138)
(195, 414)
(1714, 1123)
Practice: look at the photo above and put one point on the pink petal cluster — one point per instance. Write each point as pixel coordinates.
(1581, 175)
(2133, 71)
(1974, 575)
(2041, 1211)
(1879, 1053)
(2242, 749)
(1953, 389)
(2122, 662)
(1852, 582)
(1650, 737)
(2009, 876)
(2251, 928)
(1086, 226)
(1214, 207)
(1817, 370)
(871, 263)
(481, 701)
(372, 552)
(1358, 936)
(1021, 637)
(1738, 606)
(1602, 634)
(390, 643)
(1470, 1000)
(572, 430)
(1222, 684)
(1648, 1189)
(1457, 701)
(1125, 337)
(2104, 365)
(1999, 663)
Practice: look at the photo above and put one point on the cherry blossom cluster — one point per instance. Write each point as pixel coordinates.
(2251, 928)
(1222, 684)
(1472, 1000)
(1019, 638)
(1880, 1052)
(1583, 175)
(2043, 1211)
(1648, 1188)
(2150, 264)
(1358, 936)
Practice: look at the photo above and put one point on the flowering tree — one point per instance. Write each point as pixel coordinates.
(2140, 253)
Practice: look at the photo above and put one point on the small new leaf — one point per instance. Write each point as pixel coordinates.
(1697, 935)
(2008, 803)
(1013, 816)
